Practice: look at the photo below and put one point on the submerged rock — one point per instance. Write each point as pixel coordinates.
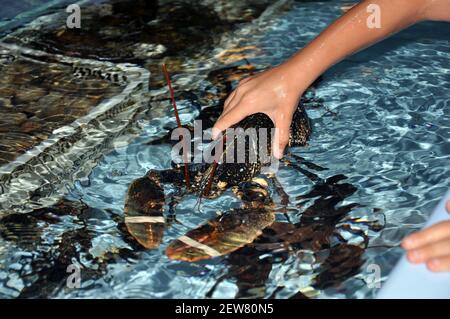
(53, 107)
(39, 97)
(48, 240)
(133, 31)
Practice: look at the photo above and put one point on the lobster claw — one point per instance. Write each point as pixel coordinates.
(144, 206)
(221, 236)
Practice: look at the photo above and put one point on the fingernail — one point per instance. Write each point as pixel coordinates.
(215, 133)
(414, 256)
(408, 242)
(276, 152)
(433, 264)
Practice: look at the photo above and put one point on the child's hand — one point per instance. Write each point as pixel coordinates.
(430, 246)
(275, 92)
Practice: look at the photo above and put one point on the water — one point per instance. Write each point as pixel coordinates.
(384, 124)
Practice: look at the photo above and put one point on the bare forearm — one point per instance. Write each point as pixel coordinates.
(356, 30)
(277, 91)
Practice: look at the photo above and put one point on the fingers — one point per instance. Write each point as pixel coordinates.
(235, 102)
(245, 80)
(281, 138)
(430, 246)
(427, 236)
(229, 100)
(236, 93)
(426, 253)
(226, 120)
(439, 264)
(230, 115)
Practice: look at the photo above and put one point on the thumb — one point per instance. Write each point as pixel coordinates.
(281, 138)
(226, 120)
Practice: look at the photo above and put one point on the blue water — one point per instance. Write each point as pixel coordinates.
(17, 13)
(389, 133)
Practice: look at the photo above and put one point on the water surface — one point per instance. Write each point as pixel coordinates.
(380, 117)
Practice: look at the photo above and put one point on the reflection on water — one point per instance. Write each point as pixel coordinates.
(39, 96)
(373, 169)
(308, 234)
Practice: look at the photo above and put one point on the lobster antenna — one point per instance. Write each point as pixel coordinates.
(177, 117)
(211, 175)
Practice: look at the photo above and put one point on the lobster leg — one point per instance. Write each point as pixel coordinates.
(284, 197)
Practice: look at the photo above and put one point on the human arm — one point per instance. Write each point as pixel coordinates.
(277, 91)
